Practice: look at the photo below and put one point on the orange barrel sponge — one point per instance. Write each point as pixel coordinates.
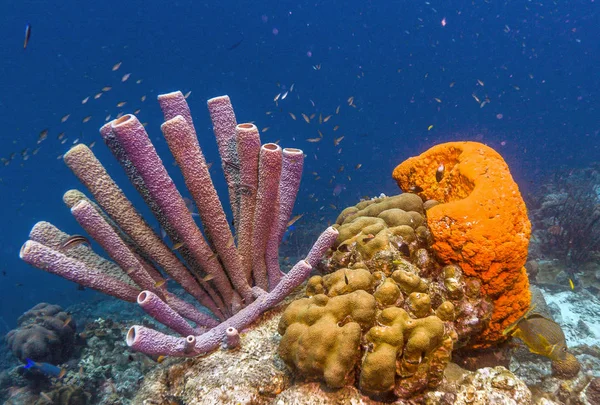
(480, 223)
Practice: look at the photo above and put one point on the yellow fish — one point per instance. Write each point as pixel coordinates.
(542, 336)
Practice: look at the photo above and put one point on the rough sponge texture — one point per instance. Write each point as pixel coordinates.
(43, 335)
(480, 223)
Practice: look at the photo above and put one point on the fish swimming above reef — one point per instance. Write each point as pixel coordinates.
(46, 368)
(542, 336)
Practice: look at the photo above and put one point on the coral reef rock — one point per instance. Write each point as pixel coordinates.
(45, 333)
(387, 315)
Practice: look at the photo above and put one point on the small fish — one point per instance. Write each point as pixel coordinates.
(136, 112)
(480, 82)
(439, 173)
(98, 95)
(43, 136)
(336, 128)
(542, 336)
(368, 237)
(337, 110)
(571, 284)
(61, 136)
(346, 278)
(178, 245)
(317, 67)
(143, 98)
(350, 100)
(277, 97)
(265, 129)
(294, 220)
(429, 128)
(327, 118)
(293, 116)
(85, 100)
(27, 35)
(46, 368)
(208, 277)
(337, 141)
(284, 95)
(106, 88)
(187, 94)
(116, 66)
(230, 242)
(476, 98)
(306, 118)
(67, 321)
(121, 104)
(358, 166)
(292, 87)
(65, 118)
(86, 119)
(415, 189)
(313, 140)
(160, 359)
(160, 283)
(138, 81)
(92, 144)
(74, 240)
(452, 84)
(125, 77)
(320, 118)
(320, 133)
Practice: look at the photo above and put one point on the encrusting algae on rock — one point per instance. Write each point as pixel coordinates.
(480, 223)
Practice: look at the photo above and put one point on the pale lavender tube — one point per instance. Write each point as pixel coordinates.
(152, 342)
(53, 261)
(289, 183)
(163, 313)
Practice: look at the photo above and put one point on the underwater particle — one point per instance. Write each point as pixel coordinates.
(125, 77)
(116, 66)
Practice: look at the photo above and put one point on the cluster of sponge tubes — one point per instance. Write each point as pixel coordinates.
(236, 282)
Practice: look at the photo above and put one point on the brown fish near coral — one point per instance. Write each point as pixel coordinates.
(542, 336)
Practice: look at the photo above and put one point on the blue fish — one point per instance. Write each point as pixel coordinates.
(27, 35)
(287, 233)
(46, 368)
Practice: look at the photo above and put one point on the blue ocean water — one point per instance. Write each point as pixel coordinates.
(519, 76)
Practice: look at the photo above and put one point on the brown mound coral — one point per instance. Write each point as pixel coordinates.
(480, 224)
(414, 310)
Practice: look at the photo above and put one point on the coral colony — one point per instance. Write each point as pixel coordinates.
(236, 282)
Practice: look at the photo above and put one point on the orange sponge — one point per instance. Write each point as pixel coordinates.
(480, 223)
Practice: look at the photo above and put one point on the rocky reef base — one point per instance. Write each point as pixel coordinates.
(255, 374)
